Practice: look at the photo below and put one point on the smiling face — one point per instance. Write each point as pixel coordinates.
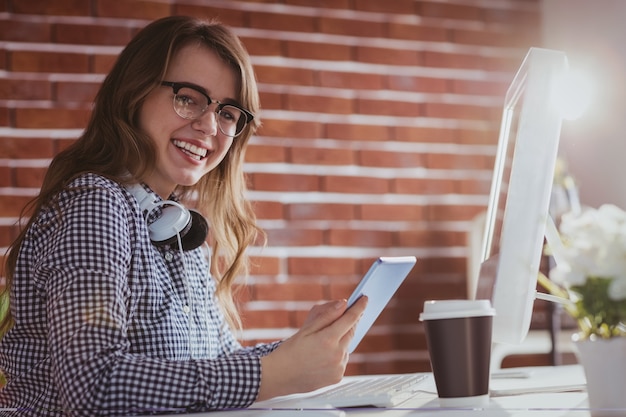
(187, 149)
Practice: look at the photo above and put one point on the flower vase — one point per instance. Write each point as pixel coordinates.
(604, 362)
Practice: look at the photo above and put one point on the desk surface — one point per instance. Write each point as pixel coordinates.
(531, 395)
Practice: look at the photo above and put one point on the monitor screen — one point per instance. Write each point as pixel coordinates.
(520, 193)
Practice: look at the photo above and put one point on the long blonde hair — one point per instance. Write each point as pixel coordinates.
(112, 145)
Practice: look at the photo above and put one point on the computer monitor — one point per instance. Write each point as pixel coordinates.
(519, 201)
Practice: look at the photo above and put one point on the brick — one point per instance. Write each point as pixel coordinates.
(18, 30)
(263, 46)
(73, 92)
(6, 118)
(267, 319)
(396, 212)
(272, 100)
(92, 34)
(319, 104)
(63, 143)
(282, 22)
(29, 177)
(12, 205)
(294, 236)
(360, 238)
(266, 153)
(441, 212)
(362, 81)
(358, 132)
(354, 184)
(375, 343)
(317, 50)
(319, 267)
(456, 111)
(281, 182)
(102, 64)
(26, 148)
(477, 87)
(321, 211)
(475, 186)
(480, 37)
(527, 17)
(424, 186)
(429, 238)
(291, 128)
(424, 134)
(341, 288)
(377, 6)
(390, 108)
(135, 9)
(46, 7)
(449, 265)
(284, 75)
(453, 60)
(8, 234)
(20, 89)
(289, 291)
(324, 4)
(449, 11)
(417, 32)
(319, 156)
(5, 176)
(231, 17)
(448, 161)
(417, 84)
(40, 61)
(502, 64)
(269, 210)
(480, 137)
(388, 56)
(51, 118)
(350, 27)
(300, 316)
(264, 266)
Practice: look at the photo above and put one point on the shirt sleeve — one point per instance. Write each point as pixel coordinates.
(81, 273)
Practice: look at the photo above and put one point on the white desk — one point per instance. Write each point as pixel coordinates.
(511, 397)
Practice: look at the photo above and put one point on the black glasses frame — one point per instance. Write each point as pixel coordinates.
(176, 86)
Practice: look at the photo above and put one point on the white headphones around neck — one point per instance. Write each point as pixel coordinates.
(175, 221)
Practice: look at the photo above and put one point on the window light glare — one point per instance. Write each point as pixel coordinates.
(573, 94)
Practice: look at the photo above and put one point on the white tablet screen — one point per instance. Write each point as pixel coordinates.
(378, 284)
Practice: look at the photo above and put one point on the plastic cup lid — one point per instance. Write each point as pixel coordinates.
(449, 309)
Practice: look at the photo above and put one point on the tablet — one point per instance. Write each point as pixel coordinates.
(379, 284)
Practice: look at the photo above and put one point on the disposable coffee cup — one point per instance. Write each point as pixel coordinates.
(458, 334)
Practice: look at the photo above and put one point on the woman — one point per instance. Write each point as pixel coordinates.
(110, 317)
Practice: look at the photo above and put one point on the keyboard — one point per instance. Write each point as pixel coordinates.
(375, 391)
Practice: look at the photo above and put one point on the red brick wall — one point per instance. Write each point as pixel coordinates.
(380, 120)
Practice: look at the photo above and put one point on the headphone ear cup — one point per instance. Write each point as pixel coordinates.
(197, 233)
(174, 220)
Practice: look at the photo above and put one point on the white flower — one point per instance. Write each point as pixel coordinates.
(594, 246)
(591, 268)
(617, 289)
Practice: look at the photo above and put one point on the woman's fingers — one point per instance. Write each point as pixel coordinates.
(323, 315)
(343, 328)
(316, 355)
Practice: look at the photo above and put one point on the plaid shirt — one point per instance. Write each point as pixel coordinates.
(102, 322)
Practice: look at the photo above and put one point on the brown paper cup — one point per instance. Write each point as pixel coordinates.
(458, 334)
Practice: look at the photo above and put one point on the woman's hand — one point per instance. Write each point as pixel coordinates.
(314, 357)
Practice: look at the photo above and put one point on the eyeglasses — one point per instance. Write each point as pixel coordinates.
(190, 102)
